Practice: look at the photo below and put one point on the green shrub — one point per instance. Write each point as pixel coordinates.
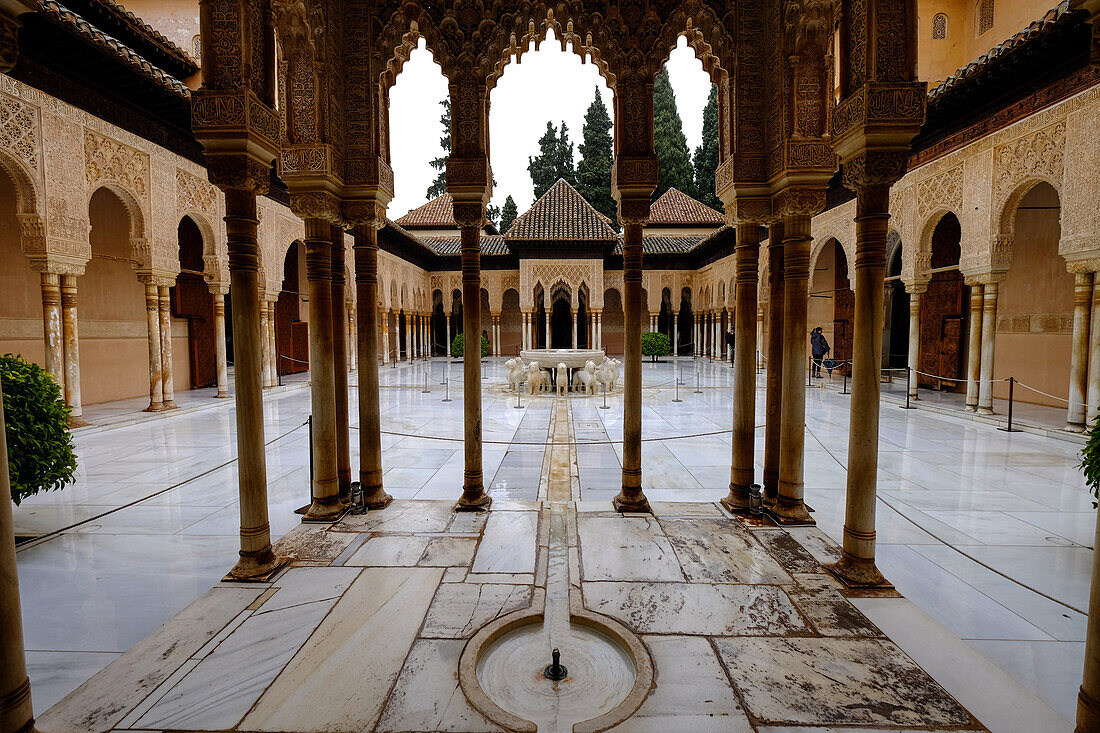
(1090, 461)
(458, 346)
(655, 345)
(40, 449)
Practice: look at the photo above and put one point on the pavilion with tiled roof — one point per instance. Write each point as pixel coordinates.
(675, 208)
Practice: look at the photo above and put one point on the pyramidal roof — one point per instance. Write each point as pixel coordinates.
(675, 207)
(439, 213)
(561, 214)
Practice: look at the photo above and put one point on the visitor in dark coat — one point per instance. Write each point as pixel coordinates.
(731, 340)
(819, 347)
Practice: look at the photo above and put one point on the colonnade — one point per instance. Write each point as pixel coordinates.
(528, 332)
(59, 319)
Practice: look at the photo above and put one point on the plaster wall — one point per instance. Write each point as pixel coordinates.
(820, 311)
(21, 304)
(176, 20)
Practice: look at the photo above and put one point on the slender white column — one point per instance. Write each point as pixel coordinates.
(575, 330)
(220, 358)
(599, 329)
(72, 350)
(915, 291)
(1079, 358)
(447, 346)
(675, 333)
(166, 348)
(974, 344)
(51, 327)
(272, 351)
(989, 341)
(548, 344)
(265, 347)
(1093, 398)
(156, 373)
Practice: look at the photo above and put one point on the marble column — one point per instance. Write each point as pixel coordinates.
(1093, 398)
(266, 357)
(272, 347)
(370, 429)
(1088, 696)
(383, 335)
(575, 331)
(496, 335)
(156, 372)
(447, 347)
(857, 564)
(746, 266)
(974, 344)
(326, 505)
(694, 334)
(338, 279)
(426, 335)
(51, 327)
(675, 333)
(16, 712)
(915, 291)
(257, 560)
(790, 508)
(773, 386)
(631, 498)
(69, 326)
(522, 330)
(548, 344)
(470, 217)
(989, 341)
(166, 347)
(349, 334)
(1079, 356)
(759, 333)
(599, 329)
(220, 357)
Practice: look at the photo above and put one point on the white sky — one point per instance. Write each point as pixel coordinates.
(549, 84)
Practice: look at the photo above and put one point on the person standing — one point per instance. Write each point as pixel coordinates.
(730, 341)
(819, 347)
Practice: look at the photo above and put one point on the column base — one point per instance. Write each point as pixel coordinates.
(171, 405)
(984, 410)
(477, 502)
(376, 498)
(222, 396)
(858, 573)
(256, 567)
(790, 513)
(1088, 712)
(76, 421)
(631, 501)
(1072, 427)
(324, 510)
(154, 407)
(737, 501)
(970, 408)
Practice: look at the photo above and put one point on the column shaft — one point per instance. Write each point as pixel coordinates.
(447, 347)
(69, 325)
(220, 356)
(675, 333)
(166, 347)
(746, 266)
(473, 485)
(370, 427)
(773, 386)
(266, 357)
(340, 362)
(914, 340)
(974, 346)
(631, 498)
(326, 488)
(156, 373)
(1079, 356)
(789, 506)
(256, 556)
(1093, 398)
(857, 565)
(575, 331)
(16, 712)
(989, 341)
(51, 327)
(599, 329)
(1088, 696)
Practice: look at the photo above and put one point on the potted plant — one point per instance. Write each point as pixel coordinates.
(656, 345)
(41, 456)
(458, 346)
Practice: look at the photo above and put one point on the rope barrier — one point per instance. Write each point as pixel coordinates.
(591, 442)
(1053, 397)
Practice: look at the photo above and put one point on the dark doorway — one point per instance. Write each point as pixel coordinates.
(561, 324)
(191, 299)
(291, 332)
(844, 303)
(898, 353)
(943, 313)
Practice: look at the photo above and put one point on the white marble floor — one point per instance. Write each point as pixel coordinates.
(988, 533)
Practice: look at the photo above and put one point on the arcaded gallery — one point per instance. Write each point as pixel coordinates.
(471, 366)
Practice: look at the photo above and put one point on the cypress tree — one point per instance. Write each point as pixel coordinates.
(706, 155)
(565, 157)
(508, 214)
(439, 185)
(669, 141)
(544, 167)
(594, 170)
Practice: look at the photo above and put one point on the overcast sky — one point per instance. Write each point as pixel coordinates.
(549, 84)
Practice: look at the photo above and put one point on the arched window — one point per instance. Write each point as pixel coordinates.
(985, 17)
(939, 27)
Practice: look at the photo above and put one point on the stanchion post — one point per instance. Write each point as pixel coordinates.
(425, 390)
(309, 421)
(676, 386)
(697, 389)
(844, 387)
(908, 377)
(519, 401)
(604, 405)
(1011, 384)
(810, 373)
(447, 397)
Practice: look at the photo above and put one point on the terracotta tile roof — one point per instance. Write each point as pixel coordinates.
(124, 53)
(659, 244)
(676, 207)
(439, 213)
(1056, 15)
(491, 244)
(561, 214)
(144, 29)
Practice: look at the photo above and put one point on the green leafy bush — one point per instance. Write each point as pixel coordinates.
(1090, 461)
(40, 449)
(655, 345)
(458, 346)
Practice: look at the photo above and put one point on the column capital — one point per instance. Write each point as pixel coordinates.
(983, 278)
(915, 287)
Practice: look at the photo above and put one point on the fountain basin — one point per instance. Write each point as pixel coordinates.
(572, 358)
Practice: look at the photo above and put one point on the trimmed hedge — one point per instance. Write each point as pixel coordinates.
(655, 345)
(458, 346)
(40, 449)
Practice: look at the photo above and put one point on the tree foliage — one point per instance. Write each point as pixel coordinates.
(669, 141)
(597, 155)
(554, 161)
(40, 449)
(439, 185)
(706, 155)
(458, 346)
(656, 344)
(1090, 461)
(508, 214)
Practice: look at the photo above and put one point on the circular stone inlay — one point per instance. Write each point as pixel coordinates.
(511, 672)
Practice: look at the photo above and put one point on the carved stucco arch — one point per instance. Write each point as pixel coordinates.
(28, 198)
(922, 255)
(819, 244)
(1004, 233)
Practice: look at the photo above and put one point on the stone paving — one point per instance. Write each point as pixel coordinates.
(987, 534)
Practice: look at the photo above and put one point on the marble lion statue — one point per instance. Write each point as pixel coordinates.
(608, 373)
(517, 373)
(585, 379)
(562, 378)
(537, 379)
